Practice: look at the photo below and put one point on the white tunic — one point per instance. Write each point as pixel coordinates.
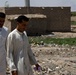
(19, 53)
(3, 36)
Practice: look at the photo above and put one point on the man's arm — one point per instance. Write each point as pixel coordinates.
(10, 61)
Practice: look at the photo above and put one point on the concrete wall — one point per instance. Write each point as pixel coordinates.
(56, 18)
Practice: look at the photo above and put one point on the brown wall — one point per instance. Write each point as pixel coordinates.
(57, 18)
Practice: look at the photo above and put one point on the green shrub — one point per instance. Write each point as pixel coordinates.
(73, 13)
(73, 22)
(48, 40)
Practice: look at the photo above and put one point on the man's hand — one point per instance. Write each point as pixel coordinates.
(38, 67)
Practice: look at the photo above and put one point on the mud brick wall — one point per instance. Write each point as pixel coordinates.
(58, 19)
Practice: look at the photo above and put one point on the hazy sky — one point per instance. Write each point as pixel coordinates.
(40, 3)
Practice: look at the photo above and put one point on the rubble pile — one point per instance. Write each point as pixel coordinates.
(55, 59)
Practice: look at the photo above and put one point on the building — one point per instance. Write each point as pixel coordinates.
(42, 19)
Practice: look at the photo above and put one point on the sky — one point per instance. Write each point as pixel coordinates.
(40, 3)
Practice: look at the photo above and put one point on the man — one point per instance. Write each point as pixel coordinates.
(3, 36)
(19, 54)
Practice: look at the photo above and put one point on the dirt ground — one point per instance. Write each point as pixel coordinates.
(56, 59)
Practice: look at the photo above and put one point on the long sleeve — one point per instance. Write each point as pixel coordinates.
(30, 53)
(6, 40)
(31, 56)
(10, 60)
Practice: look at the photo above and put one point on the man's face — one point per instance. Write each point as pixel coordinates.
(2, 20)
(22, 26)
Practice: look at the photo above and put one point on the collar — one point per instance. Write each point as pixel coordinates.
(20, 32)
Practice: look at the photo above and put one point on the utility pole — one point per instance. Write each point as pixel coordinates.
(27, 3)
